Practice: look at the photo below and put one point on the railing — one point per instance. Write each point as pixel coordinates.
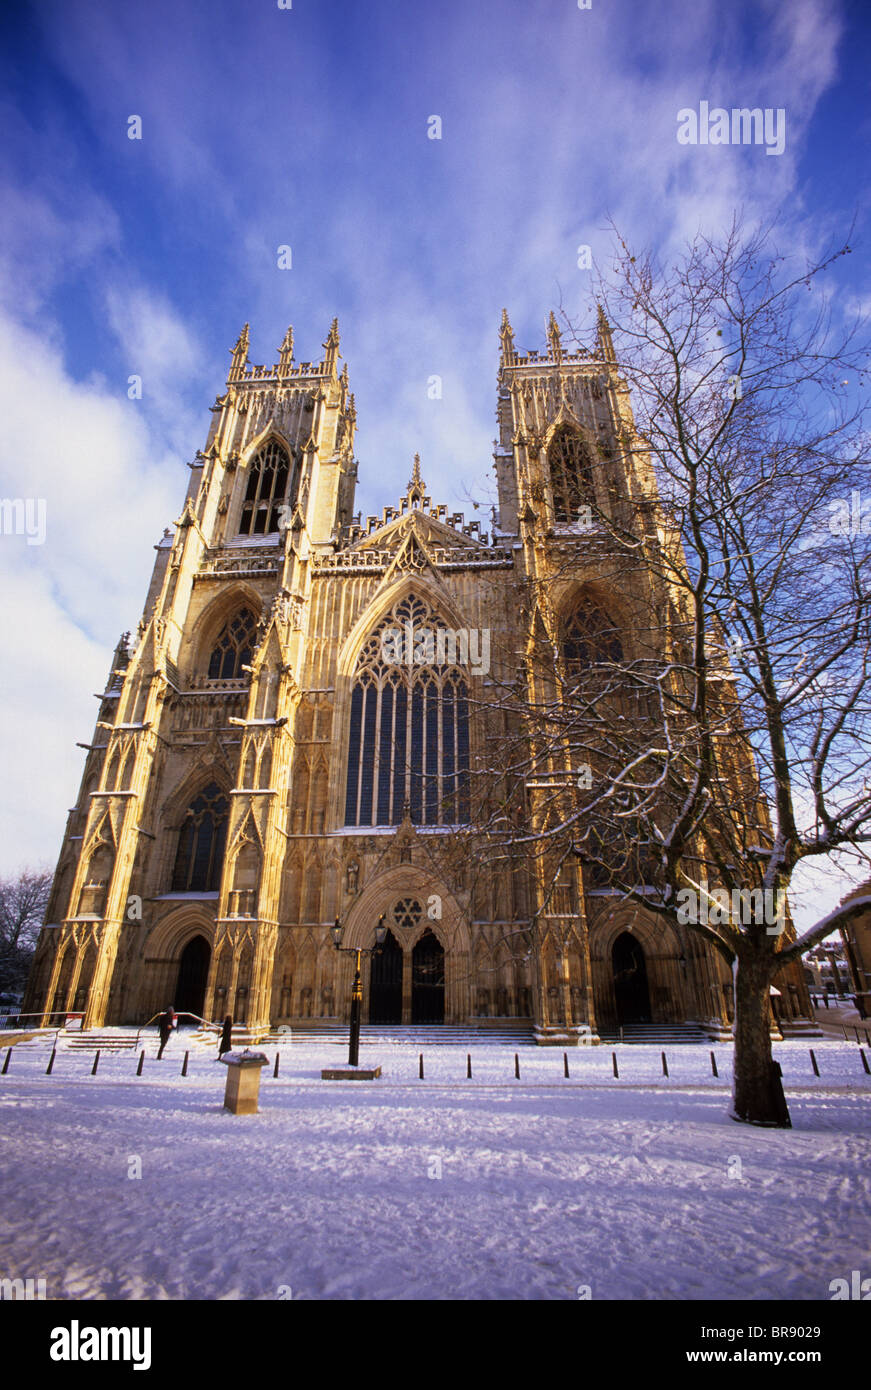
(40, 1029)
(13, 1019)
(456, 558)
(216, 1027)
(240, 563)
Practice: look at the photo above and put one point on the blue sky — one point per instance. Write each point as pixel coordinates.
(308, 127)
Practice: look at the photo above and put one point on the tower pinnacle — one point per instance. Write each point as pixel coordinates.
(554, 336)
(331, 346)
(506, 338)
(603, 337)
(285, 352)
(239, 354)
(416, 485)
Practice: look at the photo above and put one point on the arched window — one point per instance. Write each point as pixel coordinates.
(246, 877)
(234, 647)
(589, 640)
(409, 735)
(267, 487)
(571, 474)
(92, 899)
(201, 843)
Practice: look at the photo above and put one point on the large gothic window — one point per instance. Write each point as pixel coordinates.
(590, 640)
(571, 474)
(267, 487)
(201, 843)
(234, 647)
(409, 733)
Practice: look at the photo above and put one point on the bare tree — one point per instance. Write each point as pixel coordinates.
(696, 768)
(23, 902)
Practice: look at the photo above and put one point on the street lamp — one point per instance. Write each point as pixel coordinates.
(337, 932)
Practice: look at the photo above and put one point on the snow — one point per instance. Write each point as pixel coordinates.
(489, 1188)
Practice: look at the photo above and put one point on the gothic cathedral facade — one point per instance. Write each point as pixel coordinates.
(258, 769)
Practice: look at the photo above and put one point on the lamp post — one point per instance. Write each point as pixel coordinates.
(337, 932)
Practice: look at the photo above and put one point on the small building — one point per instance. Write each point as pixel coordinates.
(856, 936)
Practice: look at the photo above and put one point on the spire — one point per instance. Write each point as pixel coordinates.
(331, 346)
(239, 354)
(416, 486)
(554, 338)
(285, 352)
(506, 339)
(603, 337)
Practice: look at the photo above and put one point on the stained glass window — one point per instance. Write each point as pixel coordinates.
(201, 843)
(409, 726)
(234, 647)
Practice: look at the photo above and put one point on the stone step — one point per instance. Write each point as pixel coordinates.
(106, 1042)
(671, 1033)
(422, 1035)
(803, 1028)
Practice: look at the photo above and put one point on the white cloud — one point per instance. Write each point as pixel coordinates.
(110, 489)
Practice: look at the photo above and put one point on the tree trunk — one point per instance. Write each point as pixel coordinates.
(752, 1099)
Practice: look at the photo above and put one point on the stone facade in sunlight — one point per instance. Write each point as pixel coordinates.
(264, 761)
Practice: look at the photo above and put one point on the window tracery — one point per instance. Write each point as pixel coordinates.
(268, 473)
(409, 726)
(234, 647)
(200, 853)
(571, 474)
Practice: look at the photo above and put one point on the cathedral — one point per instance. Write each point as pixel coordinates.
(270, 755)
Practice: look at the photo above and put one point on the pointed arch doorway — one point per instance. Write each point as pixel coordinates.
(385, 983)
(428, 980)
(631, 991)
(193, 972)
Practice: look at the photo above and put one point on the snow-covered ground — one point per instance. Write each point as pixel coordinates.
(638, 1187)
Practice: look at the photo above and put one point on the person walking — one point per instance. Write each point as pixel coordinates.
(165, 1025)
(226, 1036)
